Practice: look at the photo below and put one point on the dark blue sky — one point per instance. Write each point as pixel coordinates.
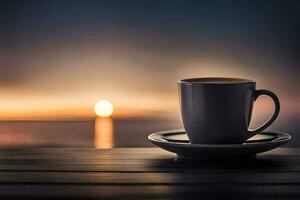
(267, 24)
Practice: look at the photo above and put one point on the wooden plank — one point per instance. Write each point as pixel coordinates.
(120, 153)
(86, 153)
(269, 164)
(89, 157)
(103, 168)
(149, 178)
(64, 152)
(153, 160)
(101, 156)
(240, 192)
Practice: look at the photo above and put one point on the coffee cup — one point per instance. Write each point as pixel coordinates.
(218, 110)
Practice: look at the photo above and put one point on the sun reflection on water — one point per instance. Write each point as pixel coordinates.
(104, 133)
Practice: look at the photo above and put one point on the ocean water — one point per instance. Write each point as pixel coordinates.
(99, 133)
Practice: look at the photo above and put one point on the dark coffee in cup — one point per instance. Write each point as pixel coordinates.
(218, 110)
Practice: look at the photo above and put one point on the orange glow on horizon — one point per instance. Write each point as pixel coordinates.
(168, 107)
(78, 113)
(40, 108)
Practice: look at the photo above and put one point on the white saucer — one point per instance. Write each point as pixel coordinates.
(176, 141)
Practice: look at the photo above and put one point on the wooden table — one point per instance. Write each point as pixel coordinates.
(144, 173)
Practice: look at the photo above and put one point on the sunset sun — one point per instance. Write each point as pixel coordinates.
(103, 108)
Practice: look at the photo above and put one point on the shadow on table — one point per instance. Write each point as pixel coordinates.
(264, 177)
(256, 163)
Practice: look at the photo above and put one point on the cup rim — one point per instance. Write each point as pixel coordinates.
(206, 81)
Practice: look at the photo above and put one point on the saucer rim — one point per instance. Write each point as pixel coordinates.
(281, 138)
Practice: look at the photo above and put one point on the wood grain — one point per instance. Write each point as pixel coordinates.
(144, 173)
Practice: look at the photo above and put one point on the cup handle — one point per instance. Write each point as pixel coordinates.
(258, 93)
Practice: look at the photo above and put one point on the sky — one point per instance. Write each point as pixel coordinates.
(57, 58)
